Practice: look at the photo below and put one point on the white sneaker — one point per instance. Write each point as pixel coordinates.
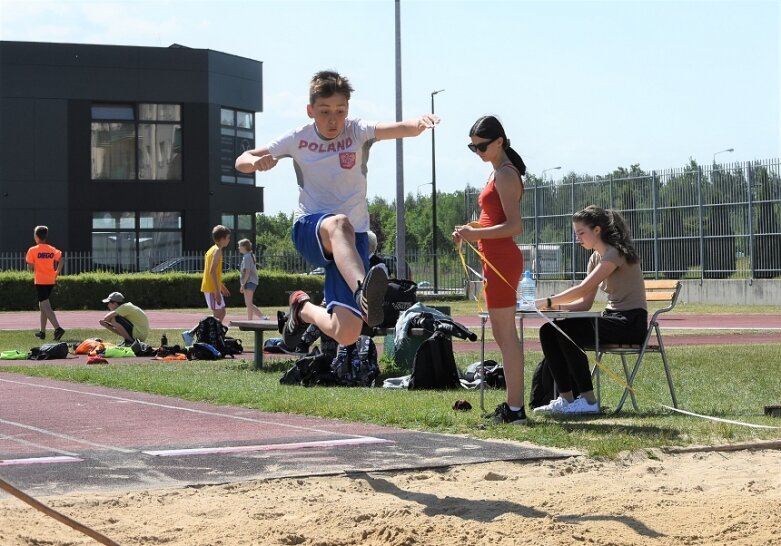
(578, 406)
(555, 406)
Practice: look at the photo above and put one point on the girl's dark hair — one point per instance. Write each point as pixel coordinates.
(490, 127)
(614, 229)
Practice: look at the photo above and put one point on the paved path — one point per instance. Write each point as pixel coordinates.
(58, 437)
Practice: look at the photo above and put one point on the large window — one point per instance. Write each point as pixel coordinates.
(237, 135)
(136, 142)
(241, 227)
(135, 241)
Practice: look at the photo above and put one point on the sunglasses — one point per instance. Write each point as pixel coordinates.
(481, 147)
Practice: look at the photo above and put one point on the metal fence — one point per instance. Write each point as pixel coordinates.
(697, 222)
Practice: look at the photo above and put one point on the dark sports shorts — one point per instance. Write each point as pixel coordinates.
(44, 291)
(126, 324)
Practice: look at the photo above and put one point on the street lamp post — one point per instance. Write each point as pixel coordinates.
(721, 152)
(537, 206)
(434, 197)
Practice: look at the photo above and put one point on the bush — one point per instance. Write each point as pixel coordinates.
(148, 290)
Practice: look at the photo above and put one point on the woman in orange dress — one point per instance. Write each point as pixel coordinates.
(500, 221)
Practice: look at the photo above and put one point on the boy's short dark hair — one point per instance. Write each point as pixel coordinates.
(220, 232)
(327, 83)
(41, 232)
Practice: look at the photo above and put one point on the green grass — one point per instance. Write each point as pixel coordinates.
(731, 382)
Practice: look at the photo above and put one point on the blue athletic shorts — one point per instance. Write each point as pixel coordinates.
(306, 238)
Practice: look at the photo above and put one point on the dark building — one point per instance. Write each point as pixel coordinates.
(126, 153)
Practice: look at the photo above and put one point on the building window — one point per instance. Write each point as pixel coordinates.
(135, 241)
(241, 226)
(237, 135)
(136, 142)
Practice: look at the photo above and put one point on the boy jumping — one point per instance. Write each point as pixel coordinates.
(330, 158)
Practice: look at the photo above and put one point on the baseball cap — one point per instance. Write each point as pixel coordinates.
(116, 297)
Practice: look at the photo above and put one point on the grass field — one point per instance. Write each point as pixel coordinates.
(726, 381)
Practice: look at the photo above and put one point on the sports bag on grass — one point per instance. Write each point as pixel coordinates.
(400, 296)
(434, 366)
(356, 365)
(49, 351)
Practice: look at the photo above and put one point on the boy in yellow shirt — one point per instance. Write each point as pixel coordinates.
(212, 287)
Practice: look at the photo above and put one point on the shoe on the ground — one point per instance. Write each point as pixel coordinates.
(40, 335)
(580, 406)
(126, 343)
(555, 406)
(503, 414)
(58, 333)
(295, 327)
(370, 295)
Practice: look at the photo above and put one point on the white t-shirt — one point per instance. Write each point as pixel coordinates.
(331, 174)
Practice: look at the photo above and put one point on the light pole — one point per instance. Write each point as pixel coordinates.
(434, 196)
(721, 152)
(550, 169)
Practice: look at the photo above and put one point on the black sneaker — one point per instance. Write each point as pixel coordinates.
(294, 326)
(40, 335)
(58, 333)
(126, 343)
(503, 414)
(371, 294)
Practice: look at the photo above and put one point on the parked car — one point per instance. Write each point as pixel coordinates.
(317, 271)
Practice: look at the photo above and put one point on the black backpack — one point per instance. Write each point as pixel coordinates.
(203, 351)
(233, 346)
(400, 296)
(356, 365)
(544, 388)
(212, 331)
(310, 371)
(434, 366)
(49, 351)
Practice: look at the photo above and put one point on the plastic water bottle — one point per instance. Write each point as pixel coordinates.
(528, 291)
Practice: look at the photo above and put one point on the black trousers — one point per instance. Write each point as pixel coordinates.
(568, 363)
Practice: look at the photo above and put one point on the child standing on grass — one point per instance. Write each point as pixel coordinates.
(330, 157)
(211, 285)
(46, 262)
(249, 277)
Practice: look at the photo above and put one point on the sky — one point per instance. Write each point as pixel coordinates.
(588, 86)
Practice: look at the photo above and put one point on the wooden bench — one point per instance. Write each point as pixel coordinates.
(665, 292)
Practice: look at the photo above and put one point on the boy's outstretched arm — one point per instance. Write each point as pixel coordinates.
(407, 128)
(255, 160)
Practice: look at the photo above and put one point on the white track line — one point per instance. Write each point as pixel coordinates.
(67, 437)
(268, 447)
(40, 460)
(34, 444)
(180, 408)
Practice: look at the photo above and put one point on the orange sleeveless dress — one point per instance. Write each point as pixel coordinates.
(503, 253)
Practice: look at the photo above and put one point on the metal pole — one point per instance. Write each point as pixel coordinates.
(434, 198)
(401, 231)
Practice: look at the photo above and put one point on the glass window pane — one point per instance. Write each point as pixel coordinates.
(245, 119)
(159, 112)
(115, 251)
(113, 111)
(114, 220)
(244, 221)
(113, 151)
(228, 221)
(227, 117)
(158, 246)
(158, 154)
(160, 220)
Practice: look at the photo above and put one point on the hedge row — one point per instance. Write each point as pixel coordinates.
(148, 290)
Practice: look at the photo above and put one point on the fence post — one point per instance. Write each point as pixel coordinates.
(749, 184)
(699, 215)
(655, 219)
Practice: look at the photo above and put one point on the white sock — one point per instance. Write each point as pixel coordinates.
(514, 408)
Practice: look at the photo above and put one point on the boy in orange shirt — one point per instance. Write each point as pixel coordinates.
(46, 262)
